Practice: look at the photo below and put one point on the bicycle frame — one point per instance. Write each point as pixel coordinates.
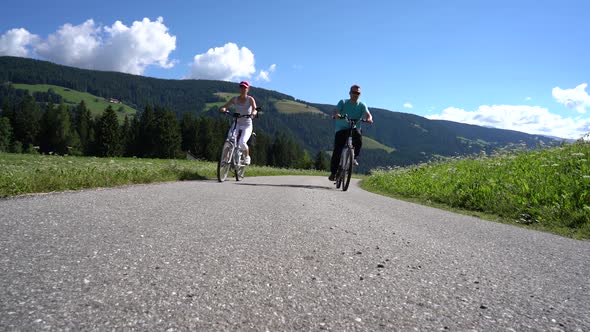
(347, 156)
(231, 154)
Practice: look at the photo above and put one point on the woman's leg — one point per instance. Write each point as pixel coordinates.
(246, 133)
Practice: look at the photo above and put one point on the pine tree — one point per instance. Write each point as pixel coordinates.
(305, 162)
(205, 147)
(127, 137)
(133, 148)
(5, 134)
(321, 162)
(260, 151)
(166, 134)
(26, 123)
(83, 124)
(188, 128)
(145, 139)
(108, 136)
(56, 132)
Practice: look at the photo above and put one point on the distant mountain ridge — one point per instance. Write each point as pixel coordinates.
(410, 138)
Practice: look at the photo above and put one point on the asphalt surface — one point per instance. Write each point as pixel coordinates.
(277, 254)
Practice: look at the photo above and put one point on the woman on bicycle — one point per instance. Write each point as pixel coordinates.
(354, 109)
(243, 104)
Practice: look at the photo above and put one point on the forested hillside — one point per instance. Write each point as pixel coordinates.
(302, 126)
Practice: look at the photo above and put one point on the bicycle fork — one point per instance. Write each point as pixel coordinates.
(348, 147)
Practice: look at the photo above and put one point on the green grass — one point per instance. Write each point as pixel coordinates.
(369, 143)
(224, 95)
(547, 189)
(27, 173)
(95, 104)
(283, 106)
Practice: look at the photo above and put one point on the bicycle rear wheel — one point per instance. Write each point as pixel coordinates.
(347, 170)
(224, 163)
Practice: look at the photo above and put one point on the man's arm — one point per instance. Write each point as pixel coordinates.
(368, 116)
(338, 109)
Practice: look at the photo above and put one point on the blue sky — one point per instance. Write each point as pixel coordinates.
(519, 64)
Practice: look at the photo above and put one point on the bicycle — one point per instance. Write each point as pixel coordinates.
(344, 172)
(231, 154)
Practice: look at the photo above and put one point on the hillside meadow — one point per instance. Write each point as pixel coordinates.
(546, 190)
(71, 97)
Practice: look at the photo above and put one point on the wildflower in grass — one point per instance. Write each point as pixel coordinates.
(578, 154)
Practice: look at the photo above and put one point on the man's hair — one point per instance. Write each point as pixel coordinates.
(354, 86)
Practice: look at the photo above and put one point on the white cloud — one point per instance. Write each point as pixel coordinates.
(264, 75)
(72, 45)
(576, 98)
(408, 105)
(132, 49)
(16, 42)
(528, 119)
(224, 63)
(116, 48)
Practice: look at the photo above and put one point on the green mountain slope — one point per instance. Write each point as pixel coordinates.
(399, 138)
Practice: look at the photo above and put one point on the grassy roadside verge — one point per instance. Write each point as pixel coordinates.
(25, 174)
(548, 190)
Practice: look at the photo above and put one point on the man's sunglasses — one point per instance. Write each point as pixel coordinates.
(355, 93)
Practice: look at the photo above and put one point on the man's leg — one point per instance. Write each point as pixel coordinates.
(339, 142)
(357, 142)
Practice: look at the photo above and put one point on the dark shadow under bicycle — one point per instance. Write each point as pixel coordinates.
(305, 186)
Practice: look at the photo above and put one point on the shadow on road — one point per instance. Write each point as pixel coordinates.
(306, 186)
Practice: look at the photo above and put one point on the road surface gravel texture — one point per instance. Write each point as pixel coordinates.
(283, 253)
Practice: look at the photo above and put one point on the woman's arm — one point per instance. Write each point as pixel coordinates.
(253, 104)
(228, 104)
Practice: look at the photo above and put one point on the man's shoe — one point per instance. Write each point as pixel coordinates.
(247, 160)
(355, 163)
(331, 177)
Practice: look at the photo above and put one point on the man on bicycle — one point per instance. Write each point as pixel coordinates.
(354, 109)
(243, 104)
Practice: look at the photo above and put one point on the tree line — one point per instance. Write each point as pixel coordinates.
(43, 123)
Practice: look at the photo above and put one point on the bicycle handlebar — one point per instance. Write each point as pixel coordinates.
(238, 115)
(345, 117)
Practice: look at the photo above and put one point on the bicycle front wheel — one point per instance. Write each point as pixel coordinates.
(224, 163)
(240, 170)
(347, 169)
(339, 177)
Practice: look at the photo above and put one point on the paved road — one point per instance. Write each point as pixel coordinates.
(277, 254)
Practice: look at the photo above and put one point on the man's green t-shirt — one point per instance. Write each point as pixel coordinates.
(353, 111)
